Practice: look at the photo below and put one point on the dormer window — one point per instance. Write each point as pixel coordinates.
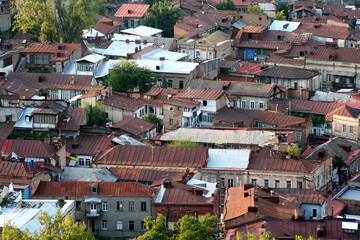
(94, 190)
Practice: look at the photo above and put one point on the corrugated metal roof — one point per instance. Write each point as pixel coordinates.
(88, 144)
(220, 136)
(75, 188)
(156, 54)
(207, 94)
(135, 126)
(143, 31)
(143, 174)
(284, 26)
(159, 156)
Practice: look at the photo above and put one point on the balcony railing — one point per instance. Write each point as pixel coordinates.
(92, 214)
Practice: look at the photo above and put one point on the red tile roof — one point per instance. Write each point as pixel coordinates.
(143, 174)
(27, 148)
(159, 156)
(254, 29)
(337, 207)
(129, 10)
(242, 3)
(17, 169)
(83, 189)
(135, 126)
(88, 144)
(207, 94)
(77, 118)
(64, 49)
(276, 45)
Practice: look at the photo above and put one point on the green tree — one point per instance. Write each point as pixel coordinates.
(280, 16)
(284, 8)
(189, 227)
(254, 8)
(128, 75)
(338, 162)
(96, 115)
(157, 229)
(52, 227)
(183, 143)
(53, 20)
(228, 5)
(162, 15)
(151, 117)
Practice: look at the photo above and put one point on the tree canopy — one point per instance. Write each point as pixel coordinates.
(188, 227)
(151, 117)
(53, 20)
(52, 227)
(162, 15)
(96, 115)
(226, 5)
(280, 16)
(254, 8)
(128, 75)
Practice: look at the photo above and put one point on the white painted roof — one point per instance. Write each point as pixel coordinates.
(210, 187)
(121, 49)
(330, 96)
(94, 58)
(92, 33)
(219, 136)
(281, 26)
(21, 123)
(159, 52)
(350, 225)
(143, 31)
(123, 37)
(229, 158)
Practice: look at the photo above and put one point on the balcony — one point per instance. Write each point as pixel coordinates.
(92, 213)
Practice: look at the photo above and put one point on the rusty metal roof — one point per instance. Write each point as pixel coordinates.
(135, 126)
(199, 94)
(160, 156)
(81, 189)
(143, 174)
(27, 148)
(17, 169)
(88, 144)
(130, 10)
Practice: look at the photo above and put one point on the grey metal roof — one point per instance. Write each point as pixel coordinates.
(220, 136)
(88, 174)
(228, 158)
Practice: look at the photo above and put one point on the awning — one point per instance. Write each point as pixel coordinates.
(345, 74)
(92, 200)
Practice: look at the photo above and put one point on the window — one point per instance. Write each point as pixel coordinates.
(131, 206)
(205, 103)
(8, 118)
(222, 182)
(243, 103)
(84, 162)
(169, 83)
(253, 182)
(119, 206)
(288, 184)
(105, 206)
(277, 183)
(204, 178)
(143, 227)
(266, 183)
(171, 122)
(261, 105)
(171, 108)
(183, 51)
(94, 190)
(104, 225)
(210, 55)
(181, 84)
(197, 53)
(119, 225)
(131, 225)
(343, 128)
(78, 205)
(230, 182)
(351, 129)
(92, 207)
(213, 180)
(299, 185)
(252, 105)
(295, 85)
(298, 136)
(143, 206)
(314, 214)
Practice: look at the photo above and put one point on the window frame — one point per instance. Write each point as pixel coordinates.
(104, 224)
(143, 206)
(131, 206)
(119, 223)
(252, 104)
(105, 206)
(133, 225)
(119, 206)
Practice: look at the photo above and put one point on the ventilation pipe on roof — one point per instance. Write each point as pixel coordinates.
(129, 11)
